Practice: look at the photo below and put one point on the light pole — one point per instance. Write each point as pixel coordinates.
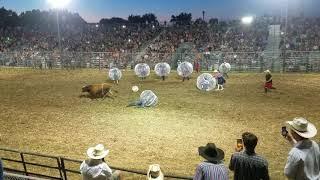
(59, 36)
(57, 5)
(285, 37)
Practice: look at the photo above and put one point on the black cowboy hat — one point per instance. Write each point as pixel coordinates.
(211, 153)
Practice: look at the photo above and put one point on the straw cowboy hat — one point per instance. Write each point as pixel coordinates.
(215, 71)
(154, 172)
(302, 127)
(267, 71)
(97, 152)
(211, 153)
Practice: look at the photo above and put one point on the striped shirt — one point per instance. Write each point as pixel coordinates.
(210, 171)
(249, 167)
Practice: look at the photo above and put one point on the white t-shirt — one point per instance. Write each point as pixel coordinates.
(99, 171)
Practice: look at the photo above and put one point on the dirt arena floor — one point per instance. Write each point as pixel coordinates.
(41, 111)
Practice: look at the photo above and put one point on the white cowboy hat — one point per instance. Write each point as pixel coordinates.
(267, 71)
(155, 173)
(302, 127)
(215, 71)
(97, 152)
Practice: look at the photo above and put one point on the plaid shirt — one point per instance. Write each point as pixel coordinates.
(210, 171)
(245, 166)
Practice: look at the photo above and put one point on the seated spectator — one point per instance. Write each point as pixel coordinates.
(213, 168)
(154, 172)
(95, 168)
(247, 164)
(304, 158)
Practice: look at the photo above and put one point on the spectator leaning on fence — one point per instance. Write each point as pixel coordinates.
(1, 170)
(95, 168)
(154, 172)
(247, 164)
(304, 157)
(213, 168)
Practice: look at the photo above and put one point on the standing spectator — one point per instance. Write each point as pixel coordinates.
(95, 168)
(304, 158)
(268, 83)
(213, 168)
(1, 170)
(197, 65)
(154, 172)
(247, 164)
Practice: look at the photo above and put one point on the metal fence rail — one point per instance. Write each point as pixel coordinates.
(12, 176)
(286, 61)
(61, 166)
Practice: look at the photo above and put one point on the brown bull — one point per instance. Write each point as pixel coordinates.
(98, 90)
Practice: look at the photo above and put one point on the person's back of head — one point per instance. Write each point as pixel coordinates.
(249, 141)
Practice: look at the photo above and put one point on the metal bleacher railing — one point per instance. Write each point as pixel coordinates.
(19, 165)
(285, 61)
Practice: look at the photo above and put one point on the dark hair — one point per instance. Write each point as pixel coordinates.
(249, 141)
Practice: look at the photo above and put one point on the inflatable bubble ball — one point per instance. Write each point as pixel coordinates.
(185, 69)
(142, 70)
(162, 69)
(224, 68)
(115, 74)
(148, 98)
(206, 82)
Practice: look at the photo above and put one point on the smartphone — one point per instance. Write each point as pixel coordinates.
(239, 144)
(284, 131)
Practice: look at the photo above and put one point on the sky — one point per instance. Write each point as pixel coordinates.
(94, 10)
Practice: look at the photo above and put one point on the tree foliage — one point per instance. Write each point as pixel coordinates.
(182, 19)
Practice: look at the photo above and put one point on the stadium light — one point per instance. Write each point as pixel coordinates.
(58, 4)
(247, 20)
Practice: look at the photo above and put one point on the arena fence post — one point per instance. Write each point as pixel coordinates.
(59, 167)
(24, 164)
(63, 168)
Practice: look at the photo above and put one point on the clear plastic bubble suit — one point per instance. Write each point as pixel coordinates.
(224, 68)
(185, 69)
(142, 70)
(115, 74)
(206, 82)
(162, 69)
(148, 98)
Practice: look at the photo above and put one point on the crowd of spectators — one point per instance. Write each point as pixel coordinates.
(303, 34)
(125, 44)
(157, 42)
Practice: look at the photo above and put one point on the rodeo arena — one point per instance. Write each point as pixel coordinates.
(189, 97)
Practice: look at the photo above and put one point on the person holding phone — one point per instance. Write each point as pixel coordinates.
(246, 163)
(304, 158)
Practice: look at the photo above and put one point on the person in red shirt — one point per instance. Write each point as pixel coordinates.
(197, 65)
(268, 83)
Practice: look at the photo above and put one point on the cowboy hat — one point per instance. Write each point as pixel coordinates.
(97, 152)
(215, 71)
(211, 153)
(154, 172)
(267, 71)
(302, 127)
